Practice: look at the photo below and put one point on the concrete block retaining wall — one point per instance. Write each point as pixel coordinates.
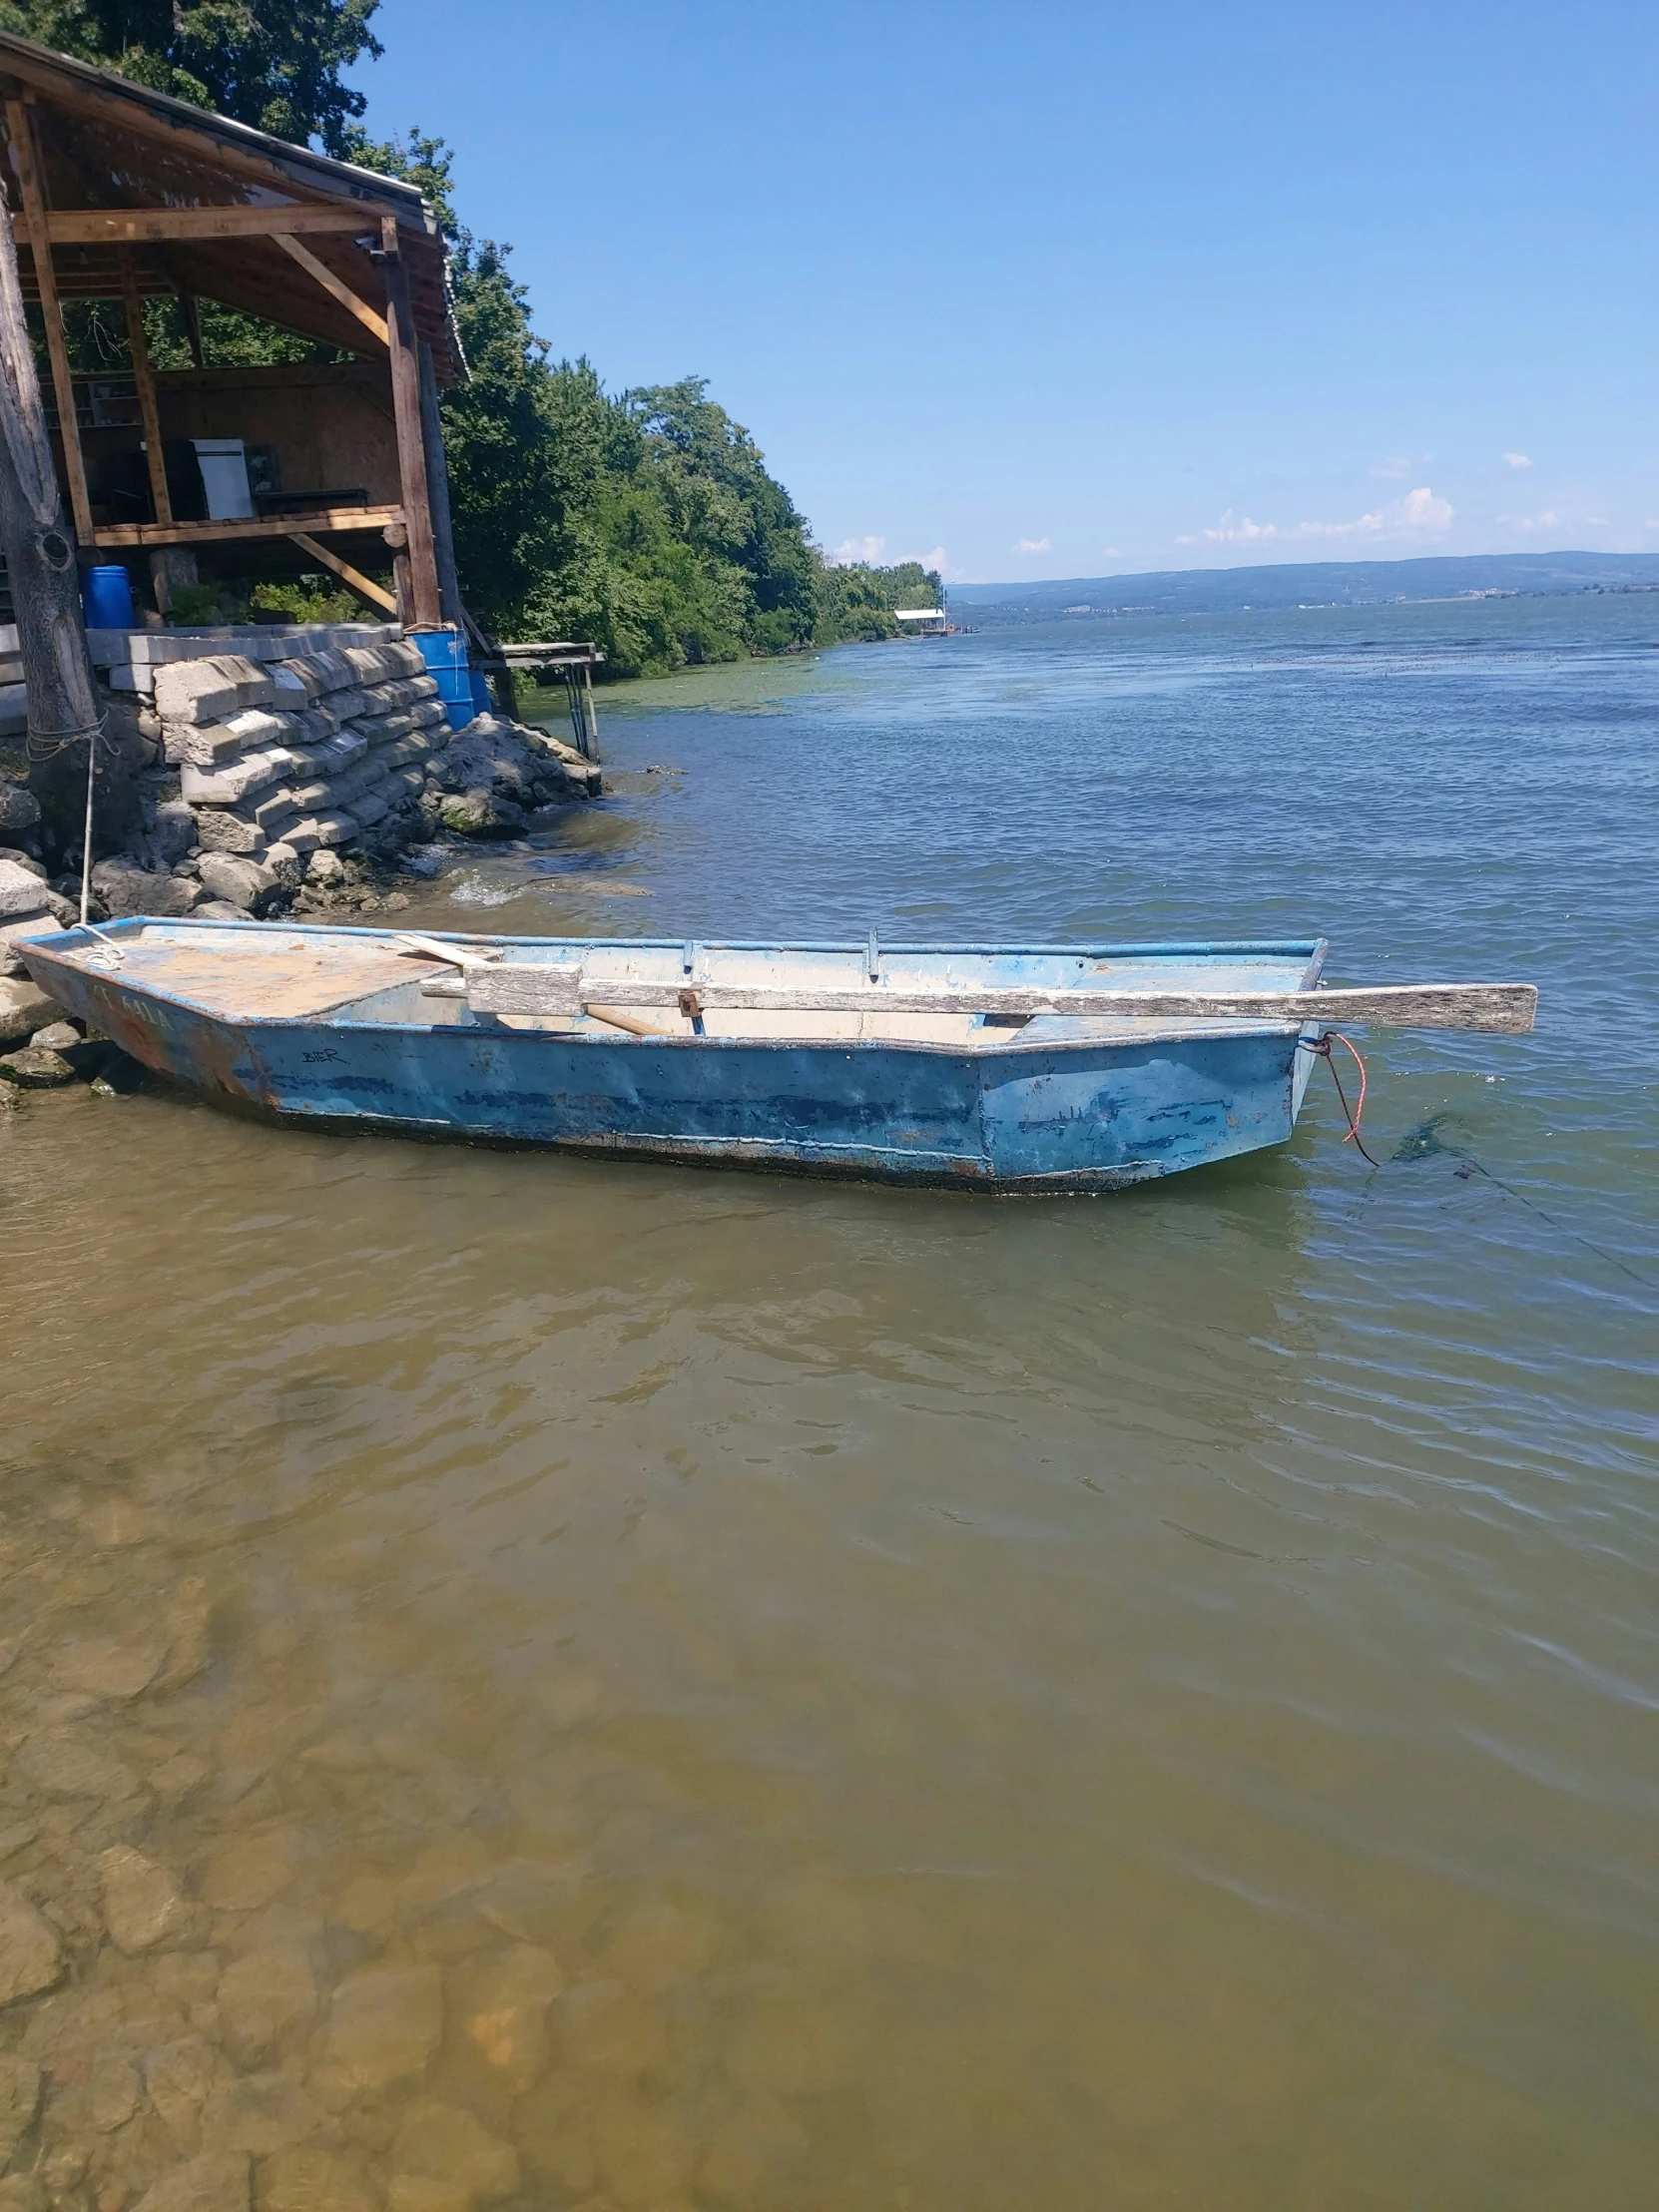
(271, 751)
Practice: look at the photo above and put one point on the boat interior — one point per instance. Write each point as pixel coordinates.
(254, 972)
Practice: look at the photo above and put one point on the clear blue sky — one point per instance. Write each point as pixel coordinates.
(1075, 289)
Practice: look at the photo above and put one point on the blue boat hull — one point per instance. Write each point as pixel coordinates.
(1078, 1116)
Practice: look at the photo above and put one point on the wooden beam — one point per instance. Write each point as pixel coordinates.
(20, 133)
(144, 379)
(263, 526)
(198, 132)
(336, 286)
(363, 585)
(1509, 1008)
(132, 225)
(426, 610)
(251, 156)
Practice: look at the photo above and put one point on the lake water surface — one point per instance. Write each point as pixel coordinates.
(644, 1688)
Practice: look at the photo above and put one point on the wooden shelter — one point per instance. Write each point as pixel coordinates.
(118, 193)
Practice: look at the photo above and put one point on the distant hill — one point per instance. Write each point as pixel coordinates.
(1213, 591)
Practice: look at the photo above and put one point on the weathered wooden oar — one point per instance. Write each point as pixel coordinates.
(563, 988)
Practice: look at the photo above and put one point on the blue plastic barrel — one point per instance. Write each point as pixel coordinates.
(107, 595)
(445, 654)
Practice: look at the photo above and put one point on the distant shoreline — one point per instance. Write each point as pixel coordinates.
(1311, 584)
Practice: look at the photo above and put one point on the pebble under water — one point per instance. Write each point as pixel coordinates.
(541, 1684)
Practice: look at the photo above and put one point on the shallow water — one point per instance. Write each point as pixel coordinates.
(831, 1697)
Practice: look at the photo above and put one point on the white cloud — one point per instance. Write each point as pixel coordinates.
(1029, 545)
(938, 558)
(1392, 466)
(1424, 512)
(1518, 460)
(850, 551)
(1111, 553)
(1548, 520)
(1241, 532)
(1418, 512)
(1363, 526)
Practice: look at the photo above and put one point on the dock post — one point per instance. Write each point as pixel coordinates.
(578, 711)
(591, 748)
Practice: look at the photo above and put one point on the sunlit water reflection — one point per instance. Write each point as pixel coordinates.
(643, 1688)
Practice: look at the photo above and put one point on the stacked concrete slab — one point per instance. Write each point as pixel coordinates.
(277, 744)
(258, 755)
(279, 761)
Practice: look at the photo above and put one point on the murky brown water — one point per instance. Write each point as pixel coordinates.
(544, 1683)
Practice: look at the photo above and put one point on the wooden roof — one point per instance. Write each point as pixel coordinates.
(107, 145)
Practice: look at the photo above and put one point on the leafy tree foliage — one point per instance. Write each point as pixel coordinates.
(273, 63)
(859, 601)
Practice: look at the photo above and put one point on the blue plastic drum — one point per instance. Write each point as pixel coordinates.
(107, 595)
(444, 651)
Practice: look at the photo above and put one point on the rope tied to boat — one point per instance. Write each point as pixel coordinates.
(1352, 1115)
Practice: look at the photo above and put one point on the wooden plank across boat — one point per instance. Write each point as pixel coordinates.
(1014, 1068)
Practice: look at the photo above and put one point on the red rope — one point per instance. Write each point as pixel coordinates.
(1353, 1117)
(1359, 1113)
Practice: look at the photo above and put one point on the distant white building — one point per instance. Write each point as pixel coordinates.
(922, 622)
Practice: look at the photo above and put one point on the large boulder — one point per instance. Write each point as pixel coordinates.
(36, 1068)
(249, 884)
(15, 934)
(19, 810)
(480, 814)
(24, 1009)
(22, 893)
(499, 772)
(126, 889)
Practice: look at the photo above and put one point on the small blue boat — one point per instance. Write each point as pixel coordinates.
(1023, 1069)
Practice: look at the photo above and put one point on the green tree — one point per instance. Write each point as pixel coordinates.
(858, 601)
(739, 520)
(273, 63)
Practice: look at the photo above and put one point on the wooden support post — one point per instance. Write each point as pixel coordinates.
(190, 308)
(144, 377)
(172, 568)
(363, 585)
(427, 611)
(398, 538)
(20, 133)
(437, 484)
(44, 586)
